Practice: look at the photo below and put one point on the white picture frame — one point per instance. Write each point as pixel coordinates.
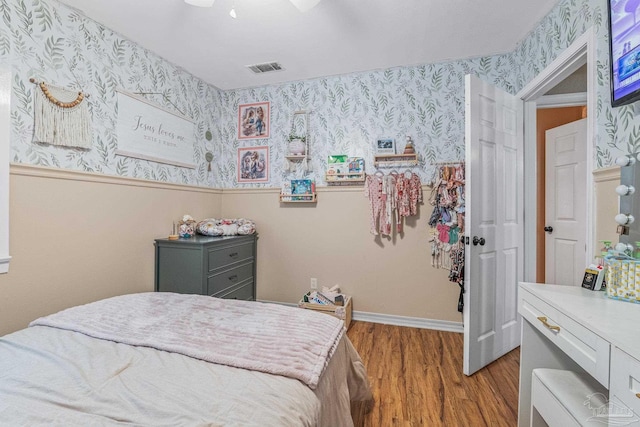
(385, 145)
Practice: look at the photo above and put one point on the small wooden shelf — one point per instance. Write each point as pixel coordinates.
(345, 178)
(390, 160)
(296, 157)
(299, 198)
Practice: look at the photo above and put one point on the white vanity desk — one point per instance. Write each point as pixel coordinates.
(596, 335)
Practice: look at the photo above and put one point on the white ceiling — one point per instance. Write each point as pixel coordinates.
(335, 37)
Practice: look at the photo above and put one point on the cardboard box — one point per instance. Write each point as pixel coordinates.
(343, 313)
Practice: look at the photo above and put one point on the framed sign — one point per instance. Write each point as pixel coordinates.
(253, 164)
(254, 120)
(150, 132)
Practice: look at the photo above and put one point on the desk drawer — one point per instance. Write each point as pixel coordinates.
(587, 349)
(220, 257)
(229, 278)
(625, 379)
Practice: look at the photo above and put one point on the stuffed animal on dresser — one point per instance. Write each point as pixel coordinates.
(226, 227)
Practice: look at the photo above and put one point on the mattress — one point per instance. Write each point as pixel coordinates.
(51, 376)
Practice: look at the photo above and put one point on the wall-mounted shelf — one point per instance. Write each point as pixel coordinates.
(345, 178)
(299, 198)
(391, 160)
(296, 157)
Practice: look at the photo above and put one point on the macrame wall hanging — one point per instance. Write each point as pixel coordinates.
(61, 117)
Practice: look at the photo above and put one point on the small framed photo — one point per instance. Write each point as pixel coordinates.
(253, 164)
(254, 120)
(385, 146)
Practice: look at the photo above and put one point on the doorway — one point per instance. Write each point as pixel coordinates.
(546, 119)
(582, 52)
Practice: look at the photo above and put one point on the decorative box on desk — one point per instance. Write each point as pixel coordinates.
(223, 267)
(342, 312)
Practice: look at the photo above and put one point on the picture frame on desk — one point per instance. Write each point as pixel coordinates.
(385, 145)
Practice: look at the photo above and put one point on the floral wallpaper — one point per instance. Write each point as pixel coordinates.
(48, 41)
(348, 114)
(427, 101)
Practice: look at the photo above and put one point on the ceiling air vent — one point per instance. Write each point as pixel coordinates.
(266, 67)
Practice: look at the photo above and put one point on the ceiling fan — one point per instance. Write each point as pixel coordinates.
(302, 5)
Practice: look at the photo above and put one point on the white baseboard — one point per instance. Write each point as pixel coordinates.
(410, 322)
(388, 319)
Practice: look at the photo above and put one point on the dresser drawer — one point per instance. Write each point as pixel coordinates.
(587, 349)
(220, 257)
(244, 292)
(229, 278)
(625, 379)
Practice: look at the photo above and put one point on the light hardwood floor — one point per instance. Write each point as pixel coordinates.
(417, 380)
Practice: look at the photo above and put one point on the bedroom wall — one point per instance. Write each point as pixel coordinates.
(83, 227)
(331, 242)
(77, 237)
(51, 42)
(426, 101)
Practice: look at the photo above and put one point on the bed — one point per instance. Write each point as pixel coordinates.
(165, 359)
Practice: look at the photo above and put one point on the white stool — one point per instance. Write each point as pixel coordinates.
(566, 398)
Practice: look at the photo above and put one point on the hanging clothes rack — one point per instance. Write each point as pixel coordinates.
(447, 222)
(461, 162)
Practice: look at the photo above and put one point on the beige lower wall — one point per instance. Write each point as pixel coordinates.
(606, 202)
(331, 241)
(77, 237)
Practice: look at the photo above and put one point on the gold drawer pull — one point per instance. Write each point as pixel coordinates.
(546, 323)
(638, 395)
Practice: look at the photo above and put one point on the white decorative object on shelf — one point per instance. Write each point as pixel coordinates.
(298, 143)
(297, 146)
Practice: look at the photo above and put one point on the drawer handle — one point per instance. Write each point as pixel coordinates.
(233, 255)
(546, 323)
(233, 278)
(638, 395)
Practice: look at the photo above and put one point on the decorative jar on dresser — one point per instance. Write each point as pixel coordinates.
(223, 267)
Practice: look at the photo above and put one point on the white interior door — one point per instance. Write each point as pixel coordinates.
(566, 203)
(494, 217)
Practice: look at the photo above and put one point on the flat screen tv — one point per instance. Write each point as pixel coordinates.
(624, 49)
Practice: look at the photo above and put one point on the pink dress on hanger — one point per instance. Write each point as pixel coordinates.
(389, 196)
(373, 191)
(415, 194)
(403, 189)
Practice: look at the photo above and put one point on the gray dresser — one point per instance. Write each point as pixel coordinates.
(223, 267)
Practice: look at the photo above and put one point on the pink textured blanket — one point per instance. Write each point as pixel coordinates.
(270, 338)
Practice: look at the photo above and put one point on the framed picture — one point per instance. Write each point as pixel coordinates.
(385, 146)
(253, 164)
(254, 120)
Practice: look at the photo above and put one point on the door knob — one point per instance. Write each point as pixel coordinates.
(477, 241)
(548, 229)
